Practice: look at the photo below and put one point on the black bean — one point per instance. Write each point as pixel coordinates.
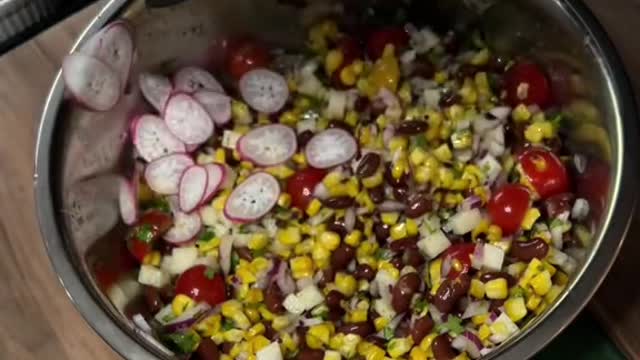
(418, 205)
(339, 202)
(412, 127)
(364, 272)
(368, 165)
(342, 256)
(377, 194)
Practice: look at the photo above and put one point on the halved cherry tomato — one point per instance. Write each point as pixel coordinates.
(459, 256)
(149, 228)
(379, 39)
(508, 207)
(526, 83)
(545, 172)
(301, 185)
(202, 284)
(246, 56)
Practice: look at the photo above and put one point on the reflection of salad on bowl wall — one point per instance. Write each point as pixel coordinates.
(399, 194)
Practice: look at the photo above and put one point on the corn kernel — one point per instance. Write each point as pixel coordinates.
(373, 180)
(533, 302)
(321, 332)
(353, 238)
(434, 274)
(181, 303)
(288, 343)
(332, 61)
(484, 332)
(289, 236)
(477, 289)
(245, 275)
(258, 241)
(418, 354)
(356, 316)
(521, 113)
(153, 258)
(304, 247)
(412, 227)
(380, 323)
(330, 240)
(398, 231)
(399, 346)
(561, 278)
(530, 218)
(332, 355)
(259, 342)
(443, 153)
(553, 293)
(515, 308)
(541, 283)
(494, 233)
(417, 156)
(280, 322)
(265, 313)
(468, 93)
(399, 168)
(389, 218)
(441, 77)
(398, 143)
(533, 269)
(480, 319)
(425, 344)
(346, 284)
(321, 256)
(496, 289)
(254, 296)
(481, 57)
(462, 140)
(314, 207)
(219, 202)
(301, 267)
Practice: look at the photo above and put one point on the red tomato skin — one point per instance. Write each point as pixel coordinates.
(462, 253)
(246, 55)
(552, 180)
(379, 39)
(197, 285)
(538, 86)
(160, 223)
(508, 206)
(301, 185)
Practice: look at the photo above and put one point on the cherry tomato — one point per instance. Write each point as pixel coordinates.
(526, 83)
(508, 207)
(460, 253)
(246, 56)
(379, 39)
(301, 185)
(149, 228)
(202, 284)
(545, 172)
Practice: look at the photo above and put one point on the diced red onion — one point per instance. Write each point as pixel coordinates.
(187, 319)
(394, 110)
(141, 323)
(476, 308)
(477, 260)
(390, 206)
(350, 219)
(284, 280)
(473, 344)
(471, 202)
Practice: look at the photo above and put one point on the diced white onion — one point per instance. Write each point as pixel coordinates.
(434, 244)
(465, 221)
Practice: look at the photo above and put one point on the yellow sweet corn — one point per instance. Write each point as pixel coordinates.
(418, 354)
(301, 267)
(373, 180)
(389, 268)
(332, 61)
(481, 57)
(280, 322)
(355, 316)
(371, 352)
(521, 113)
(254, 296)
(304, 247)
(533, 302)
(346, 284)
(553, 293)
(321, 256)
(468, 92)
(443, 153)
(284, 200)
(300, 159)
(314, 207)
(220, 200)
(181, 303)
(389, 218)
(496, 289)
(258, 241)
(441, 77)
(259, 342)
(534, 268)
(538, 131)
(399, 346)
(288, 343)
(233, 335)
(561, 278)
(153, 258)
(330, 240)
(351, 118)
(380, 323)
(353, 238)
(480, 319)
(265, 313)
(477, 289)
(209, 326)
(541, 283)
(398, 231)
(289, 236)
(515, 308)
(434, 274)
(412, 227)
(245, 275)
(530, 218)
(425, 344)
(332, 355)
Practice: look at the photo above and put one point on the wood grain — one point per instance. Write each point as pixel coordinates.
(37, 321)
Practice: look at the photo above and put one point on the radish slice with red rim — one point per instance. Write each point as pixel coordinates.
(229, 178)
(191, 79)
(128, 199)
(264, 90)
(185, 228)
(114, 46)
(163, 174)
(193, 186)
(91, 82)
(192, 148)
(216, 104)
(187, 119)
(330, 148)
(216, 174)
(268, 145)
(252, 199)
(153, 140)
(156, 89)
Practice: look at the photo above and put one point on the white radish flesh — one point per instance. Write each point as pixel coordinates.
(128, 199)
(163, 174)
(153, 140)
(156, 89)
(187, 119)
(330, 148)
(192, 79)
(215, 176)
(268, 145)
(216, 104)
(185, 228)
(114, 46)
(252, 199)
(264, 90)
(193, 185)
(91, 82)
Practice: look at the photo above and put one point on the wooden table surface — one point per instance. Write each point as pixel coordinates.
(37, 321)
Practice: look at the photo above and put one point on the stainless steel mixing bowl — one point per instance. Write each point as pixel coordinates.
(78, 152)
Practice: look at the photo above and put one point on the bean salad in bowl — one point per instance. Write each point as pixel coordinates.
(396, 194)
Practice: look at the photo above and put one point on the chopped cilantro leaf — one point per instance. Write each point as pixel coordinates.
(243, 229)
(228, 325)
(419, 141)
(235, 260)
(158, 204)
(452, 326)
(183, 343)
(384, 254)
(168, 318)
(207, 236)
(210, 273)
(144, 233)
(388, 333)
(420, 306)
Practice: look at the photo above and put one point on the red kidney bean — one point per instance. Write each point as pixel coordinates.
(423, 68)
(335, 315)
(403, 292)
(338, 202)
(269, 332)
(397, 262)
(304, 137)
(495, 305)
(167, 293)
(152, 299)
(364, 272)
(442, 349)
(333, 299)
(449, 98)
(421, 328)
(412, 127)
(368, 165)
(137, 306)
(403, 329)
(413, 258)
(342, 256)
(467, 70)
(377, 341)
(382, 232)
(377, 194)
(558, 204)
(401, 193)
(244, 253)
(310, 354)
(226, 347)
(327, 276)
(363, 329)
(528, 250)
(273, 298)
(408, 243)
(207, 350)
(486, 277)
(418, 205)
(450, 291)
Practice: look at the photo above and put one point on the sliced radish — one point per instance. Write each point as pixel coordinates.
(128, 199)
(156, 89)
(229, 178)
(114, 46)
(187, 119)
(193, 147)
(185, 228)
(268, 145)
(153, 140)
(163, 174)
(252, 199)
(330, 148)
(193, 185)
(264, 90)
(215, 176)
(192, 79)
(91, 82)
(216, 104)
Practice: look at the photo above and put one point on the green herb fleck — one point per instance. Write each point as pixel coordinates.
(228, 324)
(419, 141)
(384, 254)
(168, 318)
(244, 229)
(161, 204)
(388, 333)
(258, 253)
(210, 273)
(559, 121)
(235, 260)
(517, 292)
(183, 343)
(144, 233)
(556, 223)
(452, 326)
(420, 306)
(207, 236)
